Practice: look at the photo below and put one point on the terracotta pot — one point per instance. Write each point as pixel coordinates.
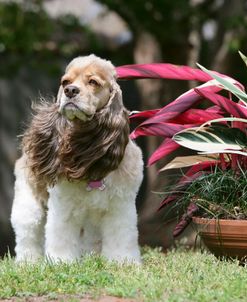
(224, 238)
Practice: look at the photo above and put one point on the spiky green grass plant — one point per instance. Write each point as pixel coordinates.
(221, 194)
(175, 276)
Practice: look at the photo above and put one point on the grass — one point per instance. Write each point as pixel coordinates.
(176, 276)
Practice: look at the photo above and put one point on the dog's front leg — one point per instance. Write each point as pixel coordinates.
(62, 228)
(27, 217)
(119, 230)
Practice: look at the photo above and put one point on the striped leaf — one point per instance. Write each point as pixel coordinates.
(227, 84)
(187, 161)
(236, 152)
(212, 139)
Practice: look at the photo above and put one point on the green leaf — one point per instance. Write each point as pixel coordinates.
(212, 139)
(225, 82)
(243, 57)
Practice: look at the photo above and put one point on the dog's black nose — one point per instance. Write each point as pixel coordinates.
(71, 91)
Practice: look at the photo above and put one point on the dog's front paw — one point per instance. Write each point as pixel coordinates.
(28, 256)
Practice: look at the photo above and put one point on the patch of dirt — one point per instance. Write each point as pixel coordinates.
(66, 298)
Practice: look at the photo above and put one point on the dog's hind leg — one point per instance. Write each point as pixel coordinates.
(28, 216)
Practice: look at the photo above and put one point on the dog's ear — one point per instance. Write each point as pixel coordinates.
(116, 99)
(59, 94)
(113, 135)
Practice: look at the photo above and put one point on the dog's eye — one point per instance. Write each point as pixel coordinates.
(65, 82)
(93, 83)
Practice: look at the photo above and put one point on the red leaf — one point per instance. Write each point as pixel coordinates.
(197, 168)
(186, 219)
(161, 71)
(160, 129)
(215, 110)
(229, 106)
(181, 104)
(167, 147)
(173, 110)
(196, 116)
(223, 162)
(143, 115)
(168, 200)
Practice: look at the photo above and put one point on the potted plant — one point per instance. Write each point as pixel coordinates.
(218, 198)
(219, 203)
(218, 132)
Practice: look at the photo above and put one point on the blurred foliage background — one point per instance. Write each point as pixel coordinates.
(38, 38)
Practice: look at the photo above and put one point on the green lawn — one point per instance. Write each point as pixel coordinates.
(177, 276)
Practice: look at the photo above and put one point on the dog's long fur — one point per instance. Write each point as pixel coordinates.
(57, 147)
(64, 150)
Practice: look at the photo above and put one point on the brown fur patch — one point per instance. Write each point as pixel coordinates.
(56, 147)
(84, 73)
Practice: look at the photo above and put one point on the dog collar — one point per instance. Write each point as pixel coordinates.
(96, 184)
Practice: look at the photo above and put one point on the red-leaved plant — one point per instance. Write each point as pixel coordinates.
(181, 123)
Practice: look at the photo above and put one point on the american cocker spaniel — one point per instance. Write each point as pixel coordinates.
(79, 173)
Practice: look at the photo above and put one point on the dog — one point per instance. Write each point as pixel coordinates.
(79, 173)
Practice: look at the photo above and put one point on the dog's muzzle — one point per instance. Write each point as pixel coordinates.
(71, 111)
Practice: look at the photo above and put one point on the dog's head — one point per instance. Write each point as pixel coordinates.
(84, 134)
(89, 84)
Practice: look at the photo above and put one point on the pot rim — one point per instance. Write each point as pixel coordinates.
(219, 220)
